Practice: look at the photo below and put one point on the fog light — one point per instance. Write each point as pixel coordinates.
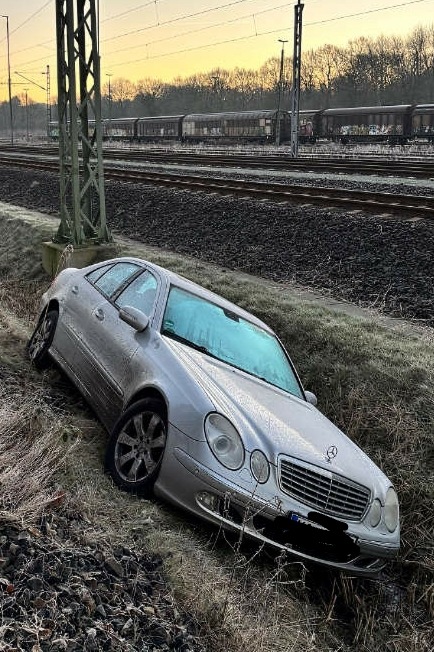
(375, 513)
(259, 466)
(208, 500)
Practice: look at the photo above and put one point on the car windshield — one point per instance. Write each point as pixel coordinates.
(224, 335)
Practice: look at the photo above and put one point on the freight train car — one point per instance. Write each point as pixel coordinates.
(423, 122)
(235, 126)
(309, 125)
(157, 128)
(395, 124)
(53, 129)
(391, 124)
(123, 129)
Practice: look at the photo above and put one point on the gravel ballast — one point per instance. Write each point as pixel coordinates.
(60, 592)
(369, 260)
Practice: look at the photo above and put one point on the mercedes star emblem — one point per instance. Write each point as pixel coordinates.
(331, 453)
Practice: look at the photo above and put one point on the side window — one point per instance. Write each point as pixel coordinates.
(140, 293)
(115, 277)
(95, 275)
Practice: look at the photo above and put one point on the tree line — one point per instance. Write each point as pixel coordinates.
(385, 70)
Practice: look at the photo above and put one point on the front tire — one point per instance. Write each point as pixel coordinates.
(136, 447)
(42, 338)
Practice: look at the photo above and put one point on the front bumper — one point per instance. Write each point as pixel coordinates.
(207, 494)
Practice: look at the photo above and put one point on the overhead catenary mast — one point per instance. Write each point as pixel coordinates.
(82, 198)
(296, 75)
(280, 93)
(48, 100)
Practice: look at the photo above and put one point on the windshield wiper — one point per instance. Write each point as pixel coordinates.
(184, 340)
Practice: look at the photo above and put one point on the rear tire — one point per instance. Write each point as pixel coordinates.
(136, 447)
(42, 338)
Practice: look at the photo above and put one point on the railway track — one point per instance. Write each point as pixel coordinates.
(378, 202)
(408, 167)
(424, 170)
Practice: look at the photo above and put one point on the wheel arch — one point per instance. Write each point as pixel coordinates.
(149, 392)
(42, 337)
(53, 304)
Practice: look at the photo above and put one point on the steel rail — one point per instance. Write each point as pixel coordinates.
(407, 167)
(379, 202)
(424, 170)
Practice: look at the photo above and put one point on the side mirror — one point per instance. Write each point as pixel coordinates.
(311, 398)
(134, 318)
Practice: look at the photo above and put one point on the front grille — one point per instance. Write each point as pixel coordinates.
(323, 490)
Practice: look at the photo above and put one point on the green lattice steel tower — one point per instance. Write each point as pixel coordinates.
(82, 199)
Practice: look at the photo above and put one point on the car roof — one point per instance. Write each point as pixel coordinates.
(190, 286)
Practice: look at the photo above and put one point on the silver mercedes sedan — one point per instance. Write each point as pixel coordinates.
(205, 409)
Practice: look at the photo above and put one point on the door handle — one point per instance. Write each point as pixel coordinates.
(74, 289)
(99, 314)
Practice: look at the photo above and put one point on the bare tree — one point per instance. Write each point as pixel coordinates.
(246, 83)
(328, 61)
(358, 63)
(269, 74)
(122, 90)
(417, 46)
(308, 72)
(149, 93)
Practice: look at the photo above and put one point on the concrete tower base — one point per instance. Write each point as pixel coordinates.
(56, 257)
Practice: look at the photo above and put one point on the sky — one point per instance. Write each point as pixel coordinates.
(165, 39)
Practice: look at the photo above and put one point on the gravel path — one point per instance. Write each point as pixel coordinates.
(385, 263)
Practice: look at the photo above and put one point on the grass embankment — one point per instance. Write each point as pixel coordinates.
(376, 383)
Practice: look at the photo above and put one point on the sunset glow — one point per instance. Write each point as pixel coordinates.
(165, 39)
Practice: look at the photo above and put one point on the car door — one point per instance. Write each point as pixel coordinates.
(102, 344)
(142, 293)
(111, 343)
(76, 306)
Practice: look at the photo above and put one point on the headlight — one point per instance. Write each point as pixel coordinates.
(224, 441)
(375, 513)
(259, 466)
(391, 510)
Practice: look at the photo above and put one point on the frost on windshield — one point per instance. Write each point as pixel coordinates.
(228, 337)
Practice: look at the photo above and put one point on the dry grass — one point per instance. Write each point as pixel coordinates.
(31, 454)
(241, 601)
(374, 382)
(21, 297)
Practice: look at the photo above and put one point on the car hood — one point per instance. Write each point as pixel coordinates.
(275, 421)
